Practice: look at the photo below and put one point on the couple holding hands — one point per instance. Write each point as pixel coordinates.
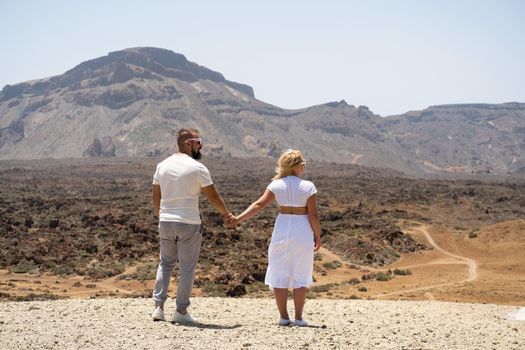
(177, 184)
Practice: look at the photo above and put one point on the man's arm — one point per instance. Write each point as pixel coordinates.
(216, 200)
(156, 200)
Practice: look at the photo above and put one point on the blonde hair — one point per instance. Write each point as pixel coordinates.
(287, 162)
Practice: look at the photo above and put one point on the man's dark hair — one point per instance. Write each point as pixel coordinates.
(185, 134)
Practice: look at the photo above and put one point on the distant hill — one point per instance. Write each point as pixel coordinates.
(132, 102)
(482, 138)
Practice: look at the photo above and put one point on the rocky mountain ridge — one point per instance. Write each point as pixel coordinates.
(132, 102)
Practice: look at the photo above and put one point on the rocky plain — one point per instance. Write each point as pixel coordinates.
(406, 262)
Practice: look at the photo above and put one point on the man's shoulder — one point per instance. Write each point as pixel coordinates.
(195, 163)
(168, 159)
(176, 158)
(181, 159)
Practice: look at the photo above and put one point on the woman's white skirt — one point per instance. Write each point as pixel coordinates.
(291, 253)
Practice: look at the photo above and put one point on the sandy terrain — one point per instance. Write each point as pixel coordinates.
(486, 269)
(250, 323)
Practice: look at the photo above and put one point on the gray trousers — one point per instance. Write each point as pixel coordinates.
(183, 242)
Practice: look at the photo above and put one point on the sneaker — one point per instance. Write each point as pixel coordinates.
(284, 322)
(182, 318)
(300, 323)
(158, 314)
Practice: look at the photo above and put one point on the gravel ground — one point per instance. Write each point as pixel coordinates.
(251, 323)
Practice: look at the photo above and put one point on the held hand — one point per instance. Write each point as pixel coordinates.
(230, 221)
(233, 222)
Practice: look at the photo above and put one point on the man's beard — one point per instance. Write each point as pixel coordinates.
(196, 154)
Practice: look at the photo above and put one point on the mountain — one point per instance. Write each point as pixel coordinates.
(132, 102)
(481, 138)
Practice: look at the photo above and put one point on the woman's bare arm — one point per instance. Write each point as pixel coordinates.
(254, 208)
(313, 217)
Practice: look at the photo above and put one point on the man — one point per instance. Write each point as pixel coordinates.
(177, 184)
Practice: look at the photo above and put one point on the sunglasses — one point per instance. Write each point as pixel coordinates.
(196, 139)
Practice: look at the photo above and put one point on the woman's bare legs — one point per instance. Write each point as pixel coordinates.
(281, 297)
(299, 298)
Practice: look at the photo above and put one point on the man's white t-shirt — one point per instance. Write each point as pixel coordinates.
(181, 178)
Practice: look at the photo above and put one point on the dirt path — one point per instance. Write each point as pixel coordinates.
(454, 259)
(111, 284)
(472, 265)
(22, 284)
(446, 259)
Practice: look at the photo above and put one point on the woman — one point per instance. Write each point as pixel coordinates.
(295, 237)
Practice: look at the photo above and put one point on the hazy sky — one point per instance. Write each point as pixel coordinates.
(391, 55)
